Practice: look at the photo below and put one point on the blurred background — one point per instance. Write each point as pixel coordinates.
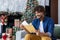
(19, 10)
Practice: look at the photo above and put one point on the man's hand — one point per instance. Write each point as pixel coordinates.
(38, 33)
(44, 34)
(22, 27)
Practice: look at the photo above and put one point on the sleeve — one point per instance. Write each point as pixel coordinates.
(34, 24)
(50, 27)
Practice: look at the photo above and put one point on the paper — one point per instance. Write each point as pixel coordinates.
(28, 27)
(24, 23)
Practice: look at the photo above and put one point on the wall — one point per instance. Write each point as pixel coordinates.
(59, 11)
(54, 10)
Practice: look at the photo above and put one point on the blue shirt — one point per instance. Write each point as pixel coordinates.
(48, 24)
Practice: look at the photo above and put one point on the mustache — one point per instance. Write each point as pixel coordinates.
(38, 15)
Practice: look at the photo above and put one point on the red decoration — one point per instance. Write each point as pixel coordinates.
(4, 37)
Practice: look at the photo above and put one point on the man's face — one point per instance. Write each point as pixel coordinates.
(17, 23)
(39, 15)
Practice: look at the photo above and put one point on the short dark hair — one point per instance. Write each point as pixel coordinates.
(39, 9)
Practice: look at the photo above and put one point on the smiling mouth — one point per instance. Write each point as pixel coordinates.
(38, 16)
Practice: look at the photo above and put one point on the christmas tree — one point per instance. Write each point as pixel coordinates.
(29, 10)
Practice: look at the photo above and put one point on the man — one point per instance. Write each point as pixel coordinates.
(16, 27)
(44, 26)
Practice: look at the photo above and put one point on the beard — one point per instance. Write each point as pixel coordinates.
(39, 16)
